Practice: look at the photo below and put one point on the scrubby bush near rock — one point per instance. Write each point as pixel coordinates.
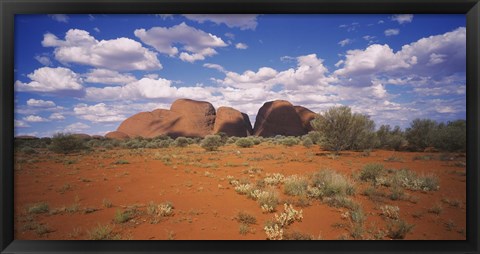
(244, 142)
(341, 129)
(211, 142)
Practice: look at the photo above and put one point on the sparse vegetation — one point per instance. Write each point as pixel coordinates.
(295, 185)
(37, 208)
(244, 142)
(372, 172)
(67, 143)
(211, 142)
(103, 232)
(398, 229)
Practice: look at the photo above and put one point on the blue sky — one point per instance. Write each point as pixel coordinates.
(87, 73)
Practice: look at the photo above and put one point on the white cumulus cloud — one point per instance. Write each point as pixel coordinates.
(197, 44)
(118, 54)
(40, 103)
(47, 79)
(56, 116)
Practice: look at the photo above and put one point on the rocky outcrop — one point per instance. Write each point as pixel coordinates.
(306, 115)
(232, 122)
(117, 135)
(190, 118)
(186, 118)
(278, 118)
(196, 118)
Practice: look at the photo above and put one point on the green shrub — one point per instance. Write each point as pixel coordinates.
(451, 137)
(28, 150)
(341, 129)
(315, 136)
(421, 134)
(295, 186)
(244, 142)
(391, 139)
(181, 142)
(123, 216)
(211, 142)
(331, 183)
(270, 200)
(307, 142)
(371, 172)
(410, 180)
(67, 143)
(289, 141)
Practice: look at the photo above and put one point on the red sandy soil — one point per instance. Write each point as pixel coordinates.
(206, 205)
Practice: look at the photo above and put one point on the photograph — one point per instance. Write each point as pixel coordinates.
(240, 127)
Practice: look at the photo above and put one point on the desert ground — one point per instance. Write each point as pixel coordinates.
(189, 193)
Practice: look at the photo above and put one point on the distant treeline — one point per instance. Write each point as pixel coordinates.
(336, 130)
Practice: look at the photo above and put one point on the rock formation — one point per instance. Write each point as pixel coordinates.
(186, 118)
(306, 115)
(117, 135)
(190, 118)
(278, 118)
(232, 122)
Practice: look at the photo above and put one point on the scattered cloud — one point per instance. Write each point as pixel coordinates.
(96, 29)
(197, 44)
(391, 32)
(402, 18)
(118, 54)
(345, 42)
(241, 46)
(40, 103)
(60, 17)
(231, 36)
(242, 21)
(104, 76)
(214, 66)
(56, 116)
(76, 127)
(34, 119)
(20, 124)
(45, 60)
(350, 27)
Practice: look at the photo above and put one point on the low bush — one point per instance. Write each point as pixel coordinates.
(398, 229)
(295, 185)
(371, 172)
(211, 142)
(180, 142)
(331, 183)
(244, 142)
(67, 143)
(307, 142)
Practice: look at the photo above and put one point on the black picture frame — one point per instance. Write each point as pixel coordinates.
(8, 8)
